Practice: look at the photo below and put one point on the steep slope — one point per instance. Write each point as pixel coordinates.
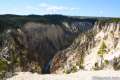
(59, 44)
(106, 52)
(96, 49)
(33, 46)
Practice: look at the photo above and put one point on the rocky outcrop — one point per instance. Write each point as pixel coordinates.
(64, 47)
(106, 47)
(32, 47)
(42, 42)
(96, 49)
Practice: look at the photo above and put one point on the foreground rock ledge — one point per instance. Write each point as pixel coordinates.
(81, 75)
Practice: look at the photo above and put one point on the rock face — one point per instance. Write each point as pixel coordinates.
(39, 42)
(72, 58)
(106, 48)
(42, 41)
(96, 49)
(32, 47)
(66, 47)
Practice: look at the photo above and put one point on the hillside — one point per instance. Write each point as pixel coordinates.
(58, 44)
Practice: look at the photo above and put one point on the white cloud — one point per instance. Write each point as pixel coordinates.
(42, 8)
(51, 9)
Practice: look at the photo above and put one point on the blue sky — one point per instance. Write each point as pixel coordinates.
(108, 8)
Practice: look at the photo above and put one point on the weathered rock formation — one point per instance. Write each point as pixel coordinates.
(32, 47)
(96, 49)
(63, 46)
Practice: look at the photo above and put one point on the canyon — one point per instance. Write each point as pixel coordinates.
(56, 44)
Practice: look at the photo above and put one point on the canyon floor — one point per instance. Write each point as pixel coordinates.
(80, 75)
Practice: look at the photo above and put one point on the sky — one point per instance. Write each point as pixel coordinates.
(100, 8)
